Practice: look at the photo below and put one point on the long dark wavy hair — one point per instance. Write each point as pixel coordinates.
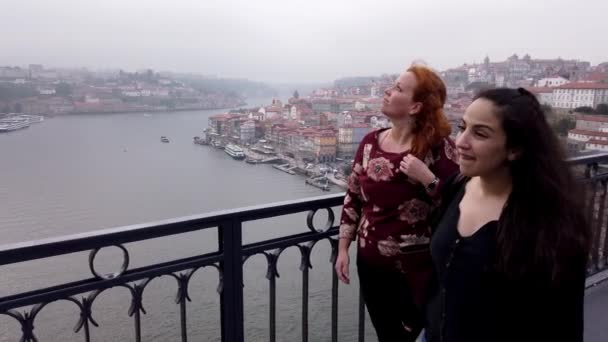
(542, 230)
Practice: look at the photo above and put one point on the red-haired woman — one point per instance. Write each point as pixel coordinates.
(396, 180)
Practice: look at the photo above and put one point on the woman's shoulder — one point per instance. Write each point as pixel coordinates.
(443, 143)
(373, 135)
(446, 148)
(454, 184)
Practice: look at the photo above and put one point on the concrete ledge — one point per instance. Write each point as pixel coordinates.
(596, 279)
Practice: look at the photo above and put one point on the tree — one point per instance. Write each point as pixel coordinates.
(63, 89)
(169, 103)
(548, 111)
(296, 95)
(116, 92)
(347, 169)
(478, 87)
(584, 109)
(562, 126)
(546, 108)
(15, 92)
(602, 108)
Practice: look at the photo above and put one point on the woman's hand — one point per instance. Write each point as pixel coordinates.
(342, 264)
(417, 170)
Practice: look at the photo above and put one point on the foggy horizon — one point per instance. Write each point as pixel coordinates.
(300, 42)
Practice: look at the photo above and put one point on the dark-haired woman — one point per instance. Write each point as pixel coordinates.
(511, 247)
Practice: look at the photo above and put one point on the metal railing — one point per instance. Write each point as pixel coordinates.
(593, 176)
(228, 260)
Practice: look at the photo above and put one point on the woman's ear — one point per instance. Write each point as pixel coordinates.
(416, 108)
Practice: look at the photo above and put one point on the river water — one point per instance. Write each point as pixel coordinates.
(80, 173)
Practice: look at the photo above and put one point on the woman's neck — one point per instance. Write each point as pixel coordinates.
(496, 184)
(401, 133)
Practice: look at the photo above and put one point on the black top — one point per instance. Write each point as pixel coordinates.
(473, 302)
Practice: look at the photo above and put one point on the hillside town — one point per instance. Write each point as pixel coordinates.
(328, 125)
(53, 91)
(325, 126)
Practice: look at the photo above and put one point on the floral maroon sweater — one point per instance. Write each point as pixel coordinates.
(389, 213)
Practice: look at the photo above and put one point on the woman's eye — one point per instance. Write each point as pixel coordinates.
(481, 134)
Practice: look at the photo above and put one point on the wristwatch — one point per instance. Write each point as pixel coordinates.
(432, 185)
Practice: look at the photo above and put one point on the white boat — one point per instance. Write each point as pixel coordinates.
(32, 119)
(235, 151)
(13, 124)
(200, 141)
(263, 150)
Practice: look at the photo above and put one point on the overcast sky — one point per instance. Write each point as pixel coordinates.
(295, 40)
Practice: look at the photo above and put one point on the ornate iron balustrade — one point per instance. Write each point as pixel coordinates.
(594, 178)
(228, 261)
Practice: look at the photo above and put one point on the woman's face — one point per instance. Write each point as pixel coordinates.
(399, 99)
(482, 141)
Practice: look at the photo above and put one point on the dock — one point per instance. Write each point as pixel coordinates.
(285, 168)
(318, 182)
(339, 182)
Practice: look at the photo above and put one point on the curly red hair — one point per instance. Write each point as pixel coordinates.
(431, 123)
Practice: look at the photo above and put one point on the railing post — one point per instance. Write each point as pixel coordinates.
(232, 293)
(361, 317)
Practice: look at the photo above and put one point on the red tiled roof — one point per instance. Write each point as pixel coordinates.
(364, 114)
(593, 118)
(372, 100)
(598, 142)
(224, 116)
(582, 85)
(343, 100)
(589, 133)
(273, 109)
(596, 76)
(356, 126)
(538, 90)
(322, 101)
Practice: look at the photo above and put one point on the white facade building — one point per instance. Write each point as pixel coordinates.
(573, 95)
